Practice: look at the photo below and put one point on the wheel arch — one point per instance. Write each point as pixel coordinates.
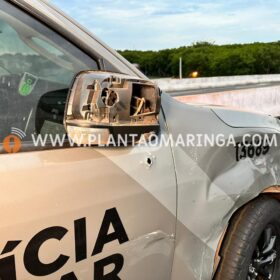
(272, 191)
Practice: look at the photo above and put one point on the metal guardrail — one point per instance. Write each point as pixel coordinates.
(265, 100)
(172, 85)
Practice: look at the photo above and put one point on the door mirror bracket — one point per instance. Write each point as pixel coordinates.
(103, 105)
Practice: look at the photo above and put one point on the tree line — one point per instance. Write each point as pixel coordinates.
(209, 60)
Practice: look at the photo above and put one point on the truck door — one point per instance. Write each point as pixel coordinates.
(72, 212)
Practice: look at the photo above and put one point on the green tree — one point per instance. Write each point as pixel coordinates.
(209, 60)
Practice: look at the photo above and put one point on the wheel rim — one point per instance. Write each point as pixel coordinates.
(263, 263)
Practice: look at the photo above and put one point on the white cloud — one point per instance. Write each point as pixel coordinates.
(161, 24)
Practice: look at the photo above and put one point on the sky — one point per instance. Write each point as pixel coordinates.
(161, 24)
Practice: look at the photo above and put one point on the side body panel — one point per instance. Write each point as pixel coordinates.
(66, 195)
(212, 184)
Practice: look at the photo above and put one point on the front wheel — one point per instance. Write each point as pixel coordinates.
(251, 249)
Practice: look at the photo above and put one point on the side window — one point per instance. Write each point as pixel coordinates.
(37, 67)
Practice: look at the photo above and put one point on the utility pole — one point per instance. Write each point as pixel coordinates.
(181, 68)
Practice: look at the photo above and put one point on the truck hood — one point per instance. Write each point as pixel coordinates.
(239, 118)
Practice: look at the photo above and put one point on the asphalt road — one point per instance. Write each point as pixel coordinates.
(221, 89)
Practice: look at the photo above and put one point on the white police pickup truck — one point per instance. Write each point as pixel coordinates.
(189, 192)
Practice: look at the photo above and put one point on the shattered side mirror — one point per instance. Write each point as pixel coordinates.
(103, 105)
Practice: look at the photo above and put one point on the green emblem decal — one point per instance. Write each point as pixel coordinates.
(27, 84)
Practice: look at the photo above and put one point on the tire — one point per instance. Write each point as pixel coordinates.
(245, 247)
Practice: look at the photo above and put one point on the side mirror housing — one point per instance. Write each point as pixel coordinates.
(102, 105)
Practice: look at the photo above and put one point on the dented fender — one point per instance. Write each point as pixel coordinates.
(213, 183)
